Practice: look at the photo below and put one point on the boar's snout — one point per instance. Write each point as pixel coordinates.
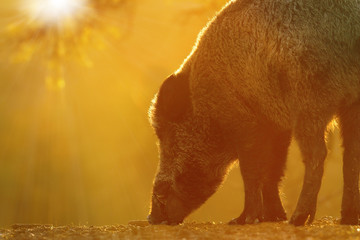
(159, 221)
(157, 215)
(166, 206)
(171, 213)
(155, 221)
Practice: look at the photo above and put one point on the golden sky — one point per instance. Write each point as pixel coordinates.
(78, 148)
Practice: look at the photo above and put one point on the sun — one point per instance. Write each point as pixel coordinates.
(54, 12)
(59, 32)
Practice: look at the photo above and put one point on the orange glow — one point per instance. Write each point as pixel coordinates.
(84, 152)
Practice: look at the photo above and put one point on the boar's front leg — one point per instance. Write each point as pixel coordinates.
(253, 210)
(309, 133)
(349, 123)
(275, 164)
(251, 156)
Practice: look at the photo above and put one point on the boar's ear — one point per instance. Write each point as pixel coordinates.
(173, 99)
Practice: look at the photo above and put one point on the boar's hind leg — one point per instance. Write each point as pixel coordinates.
(349, 123)
(309, 133)
(273, 209)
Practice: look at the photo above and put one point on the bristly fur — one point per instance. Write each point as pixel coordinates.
(261, 71)
(151, 112)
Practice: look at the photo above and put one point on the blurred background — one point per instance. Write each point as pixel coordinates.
(75, 142)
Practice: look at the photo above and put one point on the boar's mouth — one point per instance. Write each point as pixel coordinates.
(170, 212)
(155, 221)
(158, 214)
(163, 221)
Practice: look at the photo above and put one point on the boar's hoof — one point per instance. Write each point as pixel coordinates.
(279, 218)
(246, 219)
(275, 215)
(242, 221)
(299, 218)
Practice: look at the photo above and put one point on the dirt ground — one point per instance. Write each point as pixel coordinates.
(325, 228)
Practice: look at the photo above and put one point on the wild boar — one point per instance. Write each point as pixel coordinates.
(261, 72)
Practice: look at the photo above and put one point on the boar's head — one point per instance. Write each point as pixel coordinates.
(188, 172)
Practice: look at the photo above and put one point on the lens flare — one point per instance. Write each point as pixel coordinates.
(61, 32)
(54, 12)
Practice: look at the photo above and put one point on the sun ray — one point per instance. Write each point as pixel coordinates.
(57, 31)
(50, 12)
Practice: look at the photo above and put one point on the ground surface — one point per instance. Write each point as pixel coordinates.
(325, 228)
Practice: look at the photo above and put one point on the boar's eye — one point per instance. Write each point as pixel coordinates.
(161, 190)
(161, 198)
